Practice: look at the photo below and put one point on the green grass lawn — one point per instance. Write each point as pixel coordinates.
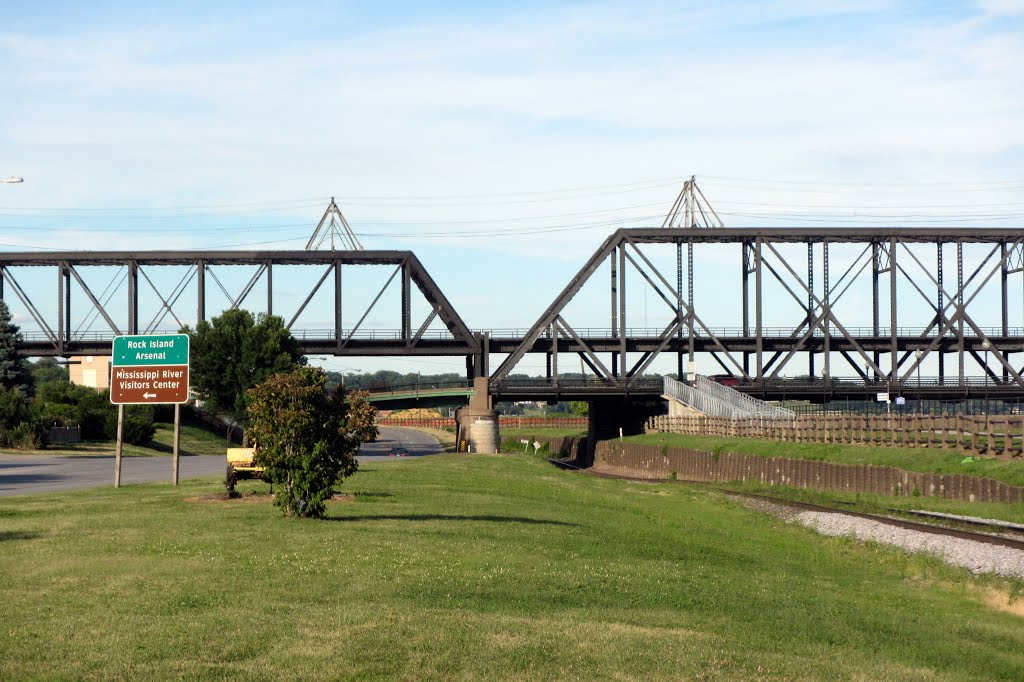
(933, 460)
(194, 441)
(475, 567)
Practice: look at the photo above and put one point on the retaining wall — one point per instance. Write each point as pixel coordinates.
(651, 461)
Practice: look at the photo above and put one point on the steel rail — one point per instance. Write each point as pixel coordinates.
(932, 528)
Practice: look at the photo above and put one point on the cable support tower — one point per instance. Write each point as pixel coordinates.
(692, 208)
(333, 226)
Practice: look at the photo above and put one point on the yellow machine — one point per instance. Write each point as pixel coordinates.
(240, 466)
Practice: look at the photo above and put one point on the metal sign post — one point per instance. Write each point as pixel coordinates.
(149, 369)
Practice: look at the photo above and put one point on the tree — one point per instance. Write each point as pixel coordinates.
(234, 352)
(362, 416)
(13, 373)
(579, 407)
(47, 369)
(306, 439)
(19, 427)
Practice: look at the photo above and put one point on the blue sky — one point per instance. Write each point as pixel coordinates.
(147, 125)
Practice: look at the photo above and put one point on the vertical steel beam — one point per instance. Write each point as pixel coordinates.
(758, 320)
(810, 304)
(876, 254)
(133, 297)
(1, 282)
(614, 306)
(201, 285)
(744, 256)
(893, 320)
(270, 287)
(690, 301)
(554, 351)
(337, 308)
(679, 307)
(1003, 268)
(67, 302)
(406, 305)
(485, 355)
(622, 309)
(939, 308)
(826, 367)
(60, 302)
(960, 307)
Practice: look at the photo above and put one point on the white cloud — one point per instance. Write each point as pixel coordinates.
(565, 97)
(1003, 7)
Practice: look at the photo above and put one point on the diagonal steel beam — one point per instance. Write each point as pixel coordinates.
(96, 303)
(956, 317)
(435, 297)
(647, 358)
(316, 288)
(961, 314)
(27, 302)
(217, 280)
(372, 303)
(564, 326)
(108, 292)
(167, 307)
(570, 290)
(846, 334)
(423, 327)
(690, 314)
(248, 287)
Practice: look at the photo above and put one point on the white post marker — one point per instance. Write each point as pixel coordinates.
(117, 451)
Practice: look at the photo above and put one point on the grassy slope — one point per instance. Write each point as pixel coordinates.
(911, 459)
(474, 567)
(194, 441)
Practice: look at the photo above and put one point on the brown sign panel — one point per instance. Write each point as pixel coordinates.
(149, 384)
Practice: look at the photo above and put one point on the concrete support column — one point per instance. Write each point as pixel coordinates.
(477, 423)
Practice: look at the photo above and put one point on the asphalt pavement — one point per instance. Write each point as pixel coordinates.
(31, 474)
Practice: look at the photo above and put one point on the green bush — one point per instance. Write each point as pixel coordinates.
(61, 403)
(19, 427)
(137, 430)
(306, 438)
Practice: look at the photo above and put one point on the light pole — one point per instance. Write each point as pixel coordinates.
(919, 354)
(12, 180)
(986, 346)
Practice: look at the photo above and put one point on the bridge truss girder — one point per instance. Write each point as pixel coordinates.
(60, 337)
(889, 357)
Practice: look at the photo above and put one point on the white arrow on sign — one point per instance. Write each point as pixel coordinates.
(147, 396)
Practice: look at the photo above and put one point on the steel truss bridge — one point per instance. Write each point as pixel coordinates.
(850, 311)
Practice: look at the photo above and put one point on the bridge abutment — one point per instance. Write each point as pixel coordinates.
(606, 417)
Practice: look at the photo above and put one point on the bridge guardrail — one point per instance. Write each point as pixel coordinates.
(33, 335)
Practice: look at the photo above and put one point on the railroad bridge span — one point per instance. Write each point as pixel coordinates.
(951, 300)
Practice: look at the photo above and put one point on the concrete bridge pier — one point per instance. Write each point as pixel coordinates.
(608, 415)
(477, 423)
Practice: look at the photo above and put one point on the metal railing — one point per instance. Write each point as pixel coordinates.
(752, 406)
(327, 334)
(716, 400)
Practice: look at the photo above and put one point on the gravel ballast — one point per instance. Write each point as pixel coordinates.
(976, 557)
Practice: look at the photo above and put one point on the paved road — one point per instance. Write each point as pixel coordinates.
(29, 474)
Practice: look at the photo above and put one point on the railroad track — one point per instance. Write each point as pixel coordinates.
(933, 528)
(996, 531)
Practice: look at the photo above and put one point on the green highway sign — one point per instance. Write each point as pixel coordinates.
(149, 369)
(152, 349)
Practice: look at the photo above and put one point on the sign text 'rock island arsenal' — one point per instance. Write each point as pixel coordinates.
(149, 369)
